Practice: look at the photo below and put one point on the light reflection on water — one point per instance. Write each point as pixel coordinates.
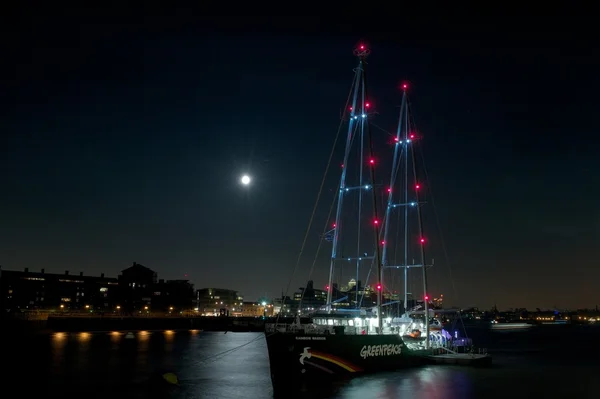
(84, 337)
(427, 383)
(217, 365)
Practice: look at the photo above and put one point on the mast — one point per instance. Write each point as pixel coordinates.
(404, 140)
(406, 203)
(376, 223)
(398, 154)
(417, 187)
(358, 121)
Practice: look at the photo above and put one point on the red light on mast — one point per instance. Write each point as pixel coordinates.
(426, 297)
(333, 225)
(404, 86)
(422, 240)
(367, 105)
(412, 136)
(378, 287)
(361, 50)
(372, 161)
(326, 288)
(375, 221)
(417, 186)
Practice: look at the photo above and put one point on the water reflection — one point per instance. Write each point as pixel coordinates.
(430, 383)
(143, 340)
(59, 336)
(59, 340)
(115, 337)
(84, 337)
(235, 365)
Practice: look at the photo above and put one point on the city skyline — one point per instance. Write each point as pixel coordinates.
(126, 143)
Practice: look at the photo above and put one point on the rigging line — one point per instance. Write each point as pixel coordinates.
(437, 218)
(435, 212)
(396, 276)
(307, 229)
(217, 356)
(383, 130)
(312, 216)
(325, 229)
(366, 282)
(224, 353)
(377, 233)
(343, 242)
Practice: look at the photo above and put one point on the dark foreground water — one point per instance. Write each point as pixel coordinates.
(554, 362)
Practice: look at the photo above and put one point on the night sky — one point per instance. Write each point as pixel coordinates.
(123, 139)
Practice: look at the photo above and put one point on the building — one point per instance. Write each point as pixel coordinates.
(136, 288)
(257, 309)
(26, 290)
(306, 300)
(218, 301)
(282, 306)
(173, 296)
(135, 291)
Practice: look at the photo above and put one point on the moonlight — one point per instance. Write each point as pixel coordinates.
(245, 180)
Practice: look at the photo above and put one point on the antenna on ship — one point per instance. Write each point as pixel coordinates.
(409, 202)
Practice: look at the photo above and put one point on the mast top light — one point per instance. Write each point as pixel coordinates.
(361, 50)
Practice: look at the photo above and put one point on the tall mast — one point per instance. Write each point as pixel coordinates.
(358, 120)
(406, 203)
(376, 223)
(410, 199)
(398, 155)
(421, 243)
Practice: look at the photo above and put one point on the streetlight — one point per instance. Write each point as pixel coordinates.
(264, 304)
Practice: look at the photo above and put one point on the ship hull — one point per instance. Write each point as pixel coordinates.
(298, 359)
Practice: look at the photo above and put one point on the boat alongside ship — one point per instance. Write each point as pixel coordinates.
(345, 341)
(496, 325)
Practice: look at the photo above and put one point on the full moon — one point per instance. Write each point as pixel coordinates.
(245, 180)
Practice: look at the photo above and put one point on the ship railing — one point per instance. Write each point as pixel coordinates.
(447, 350)
(318, 329)
(312, 329)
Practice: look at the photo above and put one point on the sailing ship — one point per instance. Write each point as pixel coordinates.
(340, 342)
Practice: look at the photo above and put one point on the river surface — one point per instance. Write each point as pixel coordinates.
(559, 363)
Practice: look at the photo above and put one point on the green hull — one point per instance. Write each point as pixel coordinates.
(300, 358)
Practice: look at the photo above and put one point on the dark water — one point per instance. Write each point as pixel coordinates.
(560, 362)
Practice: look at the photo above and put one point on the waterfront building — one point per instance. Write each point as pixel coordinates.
(218, 302)
(28, 290)
(173, 296)
(136, 288)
